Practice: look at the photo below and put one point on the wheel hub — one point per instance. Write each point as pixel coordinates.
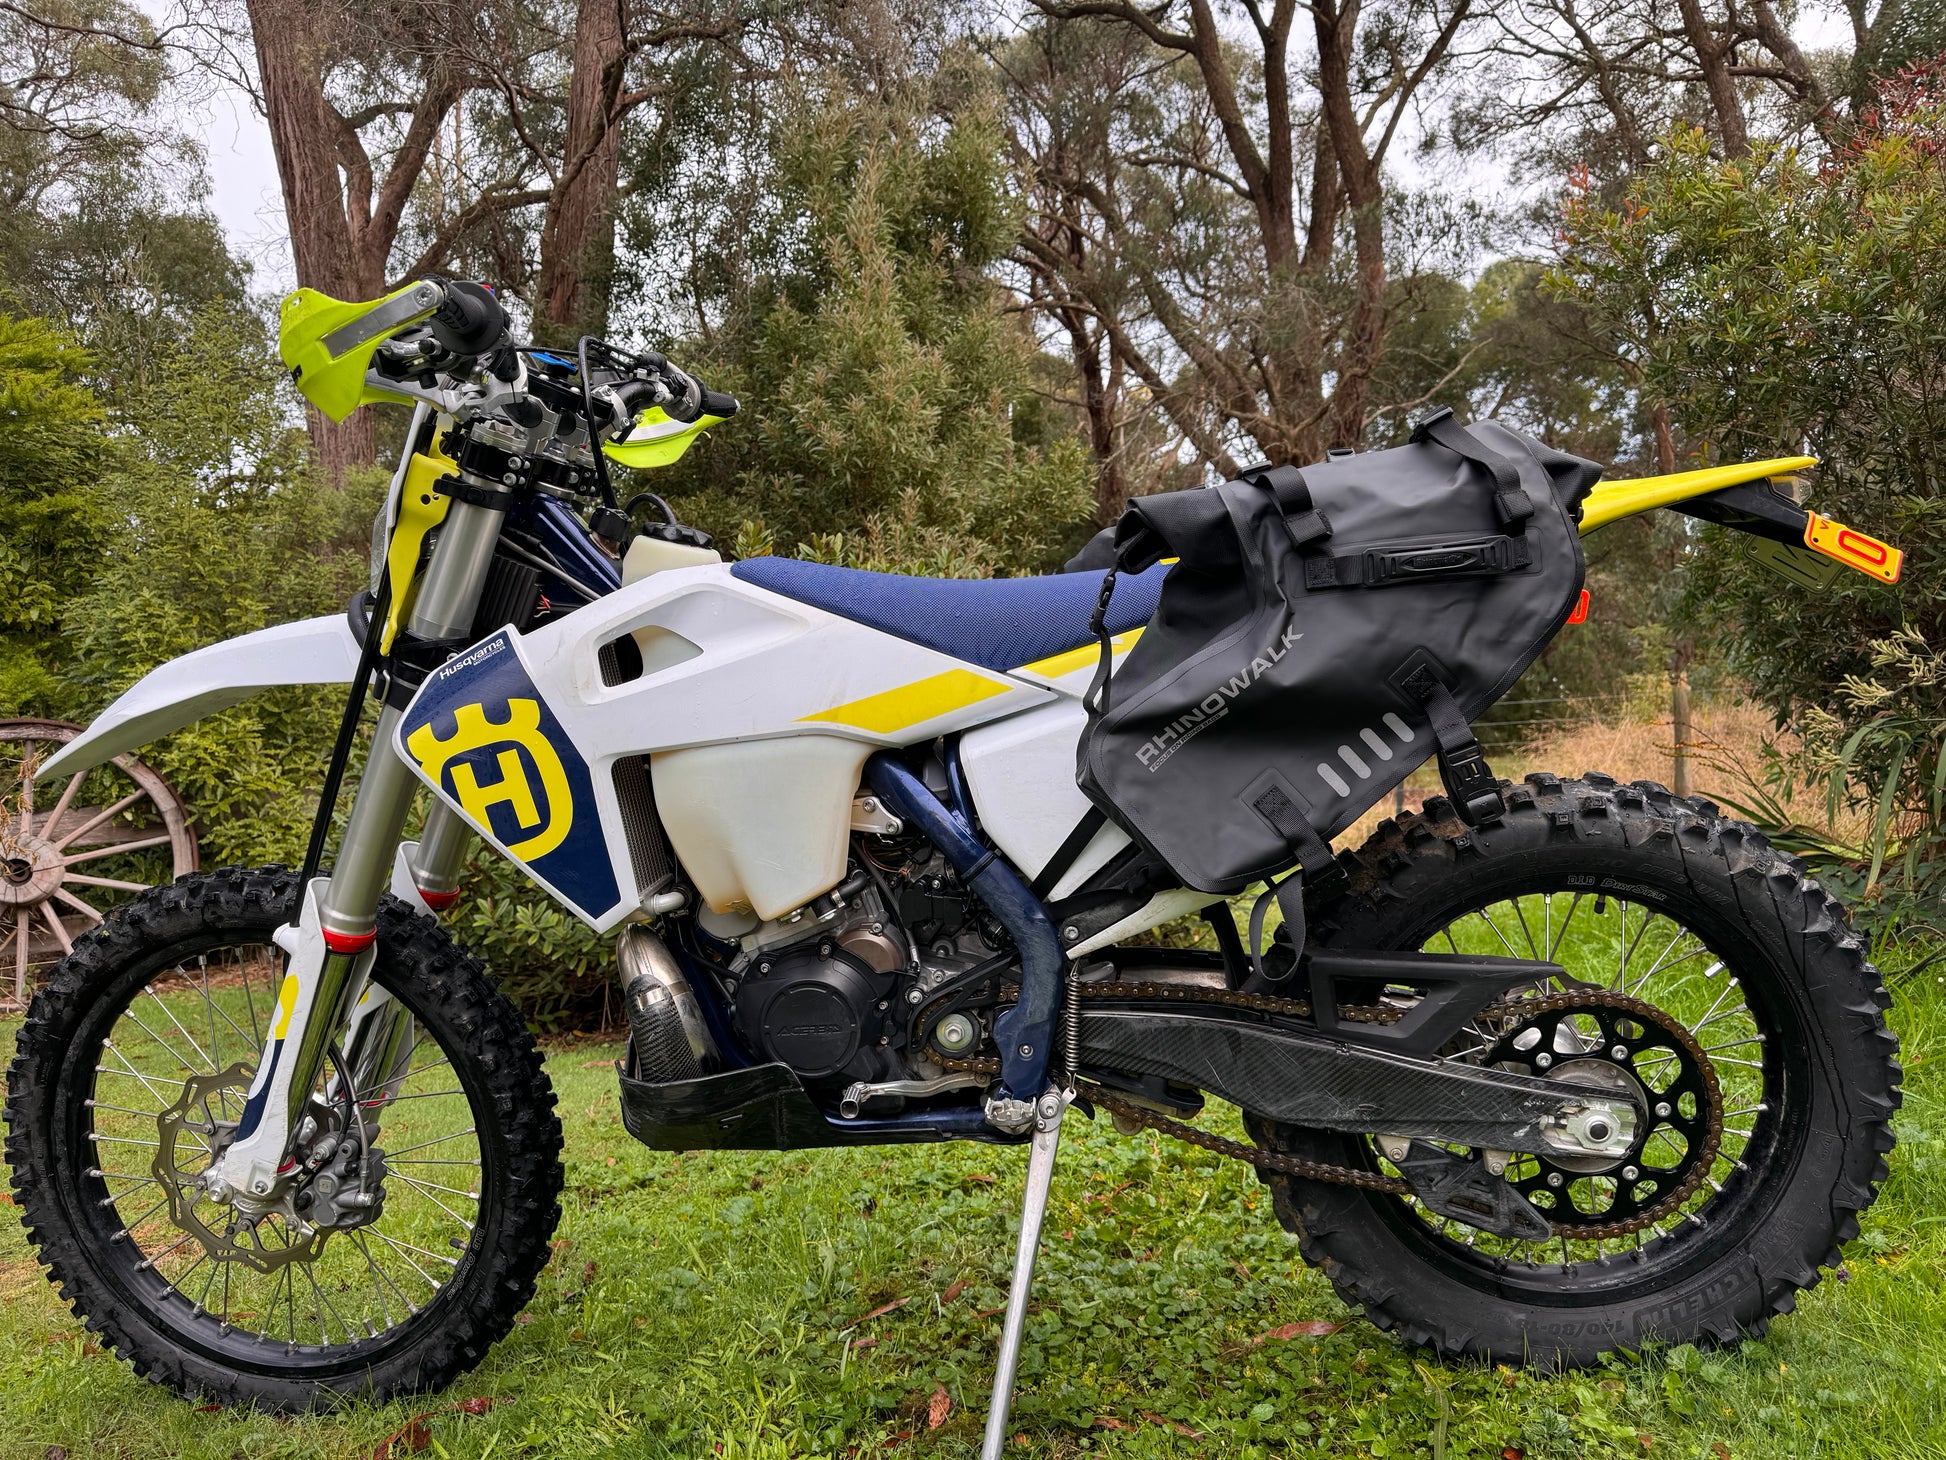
(1654, 1065)
(30, 869)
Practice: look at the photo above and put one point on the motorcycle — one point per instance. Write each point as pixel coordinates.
(1599, 1070)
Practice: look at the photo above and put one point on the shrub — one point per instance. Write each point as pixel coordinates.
(1782, 308)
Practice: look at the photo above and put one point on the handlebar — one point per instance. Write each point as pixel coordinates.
(469, 330)
(469, 321)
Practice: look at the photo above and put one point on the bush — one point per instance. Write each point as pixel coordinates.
(1781, 308)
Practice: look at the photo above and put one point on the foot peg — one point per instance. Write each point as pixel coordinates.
(1048, 1111)
(1453, 1186)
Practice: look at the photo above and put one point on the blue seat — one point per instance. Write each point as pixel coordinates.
(997, 623)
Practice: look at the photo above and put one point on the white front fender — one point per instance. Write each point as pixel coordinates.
(311, 651)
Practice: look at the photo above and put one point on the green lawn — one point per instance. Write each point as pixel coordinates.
(741, 1305)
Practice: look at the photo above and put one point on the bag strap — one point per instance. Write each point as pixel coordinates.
(1095, 701)
(1312, 852)
(1470, 782)
(1287, 487)
(1510, 498)
(1092, 820)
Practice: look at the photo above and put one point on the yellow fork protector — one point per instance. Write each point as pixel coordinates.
(422, 507)
(327, 343)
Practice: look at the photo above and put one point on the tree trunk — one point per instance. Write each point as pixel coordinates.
(1714, 55)
(1364, 340)
(578, 235)
(292, 49)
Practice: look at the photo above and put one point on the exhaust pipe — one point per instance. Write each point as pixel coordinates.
(665, 1022)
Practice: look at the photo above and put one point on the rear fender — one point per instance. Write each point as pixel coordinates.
(183, 691)
(1801, 545)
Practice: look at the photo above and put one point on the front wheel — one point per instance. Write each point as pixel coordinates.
(1707, 977)
(429, 1182)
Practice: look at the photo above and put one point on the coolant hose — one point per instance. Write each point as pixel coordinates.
(1025, 1033)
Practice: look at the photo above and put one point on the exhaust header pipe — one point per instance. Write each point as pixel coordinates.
(665, 1022)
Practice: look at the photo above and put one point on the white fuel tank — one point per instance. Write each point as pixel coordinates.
(1021, 772)
(760, 825)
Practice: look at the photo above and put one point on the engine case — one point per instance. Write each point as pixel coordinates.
(821, 1010)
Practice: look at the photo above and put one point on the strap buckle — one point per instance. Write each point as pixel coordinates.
(1471, 784)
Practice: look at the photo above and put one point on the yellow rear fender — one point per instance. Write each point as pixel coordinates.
(327, 343)
(1800, 545)
(1611, 501)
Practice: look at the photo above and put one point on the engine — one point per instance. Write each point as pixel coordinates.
(834, 990)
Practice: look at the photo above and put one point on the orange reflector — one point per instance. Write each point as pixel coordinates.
(1853, 548)
(1580, 614)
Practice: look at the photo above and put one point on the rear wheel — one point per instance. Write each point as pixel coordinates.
(430, 1172)
(1706, 973)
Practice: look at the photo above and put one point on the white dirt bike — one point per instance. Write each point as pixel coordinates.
(1603, 1070)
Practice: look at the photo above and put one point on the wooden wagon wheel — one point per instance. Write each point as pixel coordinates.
(105, 835)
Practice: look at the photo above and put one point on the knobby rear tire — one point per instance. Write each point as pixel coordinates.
(1779, 932)
(152, 1325)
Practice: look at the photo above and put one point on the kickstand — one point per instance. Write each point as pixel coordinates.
(1048, 1111)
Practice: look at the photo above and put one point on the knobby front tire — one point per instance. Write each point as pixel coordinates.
(170, 989)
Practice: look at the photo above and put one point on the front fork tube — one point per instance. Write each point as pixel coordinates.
(331, 949)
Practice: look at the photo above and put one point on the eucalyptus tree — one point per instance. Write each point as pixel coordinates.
(1211, 194)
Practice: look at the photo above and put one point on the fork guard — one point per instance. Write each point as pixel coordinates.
(1301, 1078)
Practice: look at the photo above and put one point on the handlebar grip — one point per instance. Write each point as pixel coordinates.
(470, 321)
(719, 403)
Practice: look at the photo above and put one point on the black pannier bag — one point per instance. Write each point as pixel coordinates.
(1321, 634)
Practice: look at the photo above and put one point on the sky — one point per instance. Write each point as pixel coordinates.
(242, 169)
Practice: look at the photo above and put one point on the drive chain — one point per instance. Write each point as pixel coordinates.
(1263, 1160)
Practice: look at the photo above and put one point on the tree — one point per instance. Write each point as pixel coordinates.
(52, 526)
(1790, 308)
(1213, 197)
(356, 98)
(880, 365)
(100, 227)
(577, 238)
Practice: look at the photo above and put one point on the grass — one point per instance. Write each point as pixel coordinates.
(837, 1303)
(845, 1303)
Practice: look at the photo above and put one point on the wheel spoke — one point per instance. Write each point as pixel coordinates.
(113, 884)
(60, 929)
(1561, 937)
(60, 807)
(116, 849)
(169, 1014)
(91, 913)
(97, 819)
(391, 1156)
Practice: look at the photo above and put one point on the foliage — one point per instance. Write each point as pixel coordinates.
(879, 369)
(543, 957)
(52, 526)
(722, 1299)
(1780, 309)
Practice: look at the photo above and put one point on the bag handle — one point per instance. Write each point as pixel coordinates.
(1510, 498)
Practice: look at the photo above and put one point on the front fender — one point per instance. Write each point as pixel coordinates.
(311, 651)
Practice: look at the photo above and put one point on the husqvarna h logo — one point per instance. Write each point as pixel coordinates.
(524, 774)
